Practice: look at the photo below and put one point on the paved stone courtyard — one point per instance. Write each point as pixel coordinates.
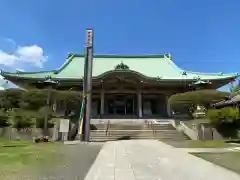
(152, 160)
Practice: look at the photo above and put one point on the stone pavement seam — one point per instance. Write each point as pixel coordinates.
(141, 172)
(123, 169)
(129, 161)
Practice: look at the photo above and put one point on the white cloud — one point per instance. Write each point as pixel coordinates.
(33, 55)
(7, 59)
(20, 70)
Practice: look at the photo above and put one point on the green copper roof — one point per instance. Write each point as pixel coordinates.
(150, 66)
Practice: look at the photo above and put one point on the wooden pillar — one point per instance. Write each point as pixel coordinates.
(46, 115)
(168, 107)
(102, 103)
(139, 104)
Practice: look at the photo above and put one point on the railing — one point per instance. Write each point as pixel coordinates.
(150, 125)
(191, 133)
(107, 127)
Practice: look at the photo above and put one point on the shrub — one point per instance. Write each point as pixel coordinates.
(227, 114)
(40, 117)
(22, 118)
(214, 115)
(10, 98)
(3, 118)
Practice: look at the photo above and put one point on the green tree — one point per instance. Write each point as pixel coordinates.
(21, 118)
(188, 101)
(3, 118)
(10, 98)
(25, 108)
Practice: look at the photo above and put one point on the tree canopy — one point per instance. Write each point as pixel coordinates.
(191, 99)
(21, 108)
(34, 99)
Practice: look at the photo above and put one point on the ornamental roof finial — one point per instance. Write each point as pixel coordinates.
(169, 55)
(69, 54)
(184, 73)
(121, 66)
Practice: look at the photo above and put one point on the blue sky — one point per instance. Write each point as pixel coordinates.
(201, 35)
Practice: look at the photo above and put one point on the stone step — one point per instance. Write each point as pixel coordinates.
(135, 133)
(146, 137)
(156, 126)
(138, 135)
(98, 126)
(121, 131)
(161, 139)
(127, 127)
(142, 130)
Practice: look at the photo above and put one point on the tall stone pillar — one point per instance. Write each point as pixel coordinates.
(102, 103)
(168, 107)
(139, 104)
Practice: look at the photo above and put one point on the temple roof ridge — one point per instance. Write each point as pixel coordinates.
(123, 55)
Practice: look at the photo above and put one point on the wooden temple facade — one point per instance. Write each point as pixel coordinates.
(128, 86)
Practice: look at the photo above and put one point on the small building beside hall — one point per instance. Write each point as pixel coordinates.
(233, 101)
(128, 86)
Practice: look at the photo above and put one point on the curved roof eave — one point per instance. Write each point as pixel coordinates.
(183, 74)
(50, 74)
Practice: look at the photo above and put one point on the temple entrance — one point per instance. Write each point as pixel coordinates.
(121, 104)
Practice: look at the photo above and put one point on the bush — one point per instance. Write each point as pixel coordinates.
(228, 129)
(3, 119)
(225, 120)
(10, 98)
(227, 114)
(22, 118)
(40, 117)
(214, 115)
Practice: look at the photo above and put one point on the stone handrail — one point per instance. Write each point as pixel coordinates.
(150, 125)
(107, 127)
(180, 126)
(192, 133)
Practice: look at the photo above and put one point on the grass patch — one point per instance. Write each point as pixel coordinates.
(18, 156)
(203, 144)
(206, 144)
(229, 160)
(14, 143)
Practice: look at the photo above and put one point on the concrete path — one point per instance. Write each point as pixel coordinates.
(152, 160)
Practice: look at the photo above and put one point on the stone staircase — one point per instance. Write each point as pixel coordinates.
(125, 131)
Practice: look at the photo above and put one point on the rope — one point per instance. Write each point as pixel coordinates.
(81, 117)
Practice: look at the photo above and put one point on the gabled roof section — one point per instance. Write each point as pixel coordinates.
(148, 66)
(233, 100)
